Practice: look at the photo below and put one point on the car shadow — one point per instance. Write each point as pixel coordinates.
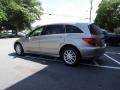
(48, 59)
(33, 57)
(56, 76)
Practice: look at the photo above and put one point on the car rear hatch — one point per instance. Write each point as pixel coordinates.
(96, 33)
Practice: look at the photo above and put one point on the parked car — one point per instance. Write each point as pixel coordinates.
(111, 38)
(7, 34)
(70, 41)
(21, 34)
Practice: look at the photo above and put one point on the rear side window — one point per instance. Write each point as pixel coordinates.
(95, 30)
(72, 29)
(53, 29)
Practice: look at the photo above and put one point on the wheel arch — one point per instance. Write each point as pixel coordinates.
(17, 43)
(69, 45)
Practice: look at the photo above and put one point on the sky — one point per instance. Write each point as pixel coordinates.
(67, 11)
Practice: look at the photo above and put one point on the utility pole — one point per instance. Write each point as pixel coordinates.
(91, 7)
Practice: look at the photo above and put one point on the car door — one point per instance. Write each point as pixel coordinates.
(32, 43)
(51, 39)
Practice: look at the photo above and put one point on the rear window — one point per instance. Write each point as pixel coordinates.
(94, 29)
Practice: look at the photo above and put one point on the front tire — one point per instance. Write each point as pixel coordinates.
(71, 56)
(19, 49)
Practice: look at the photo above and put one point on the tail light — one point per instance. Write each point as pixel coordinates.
(91, 41)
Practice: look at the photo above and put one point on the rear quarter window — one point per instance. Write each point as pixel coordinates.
(72, 29)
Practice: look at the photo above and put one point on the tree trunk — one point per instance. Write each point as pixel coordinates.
(16, 32)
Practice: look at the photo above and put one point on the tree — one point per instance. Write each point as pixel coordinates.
(19, 14)
(108, 14)
(2, 12)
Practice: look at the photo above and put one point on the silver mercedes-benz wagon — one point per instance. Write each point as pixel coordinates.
(70, 41)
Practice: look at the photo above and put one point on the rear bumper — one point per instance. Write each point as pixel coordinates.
(93, 52)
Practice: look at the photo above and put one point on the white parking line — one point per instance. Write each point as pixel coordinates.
(112, 59)
(112, 52)
(95, 62)
(102, 66)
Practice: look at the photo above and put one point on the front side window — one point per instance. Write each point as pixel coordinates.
(53, 29)
(72, 29)
(36, 32)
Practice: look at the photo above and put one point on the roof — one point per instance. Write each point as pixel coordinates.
(69, 23)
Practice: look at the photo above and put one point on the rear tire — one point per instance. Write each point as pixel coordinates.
(71, 56)
(19, 49)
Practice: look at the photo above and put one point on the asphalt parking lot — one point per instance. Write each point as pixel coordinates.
(38, 72)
